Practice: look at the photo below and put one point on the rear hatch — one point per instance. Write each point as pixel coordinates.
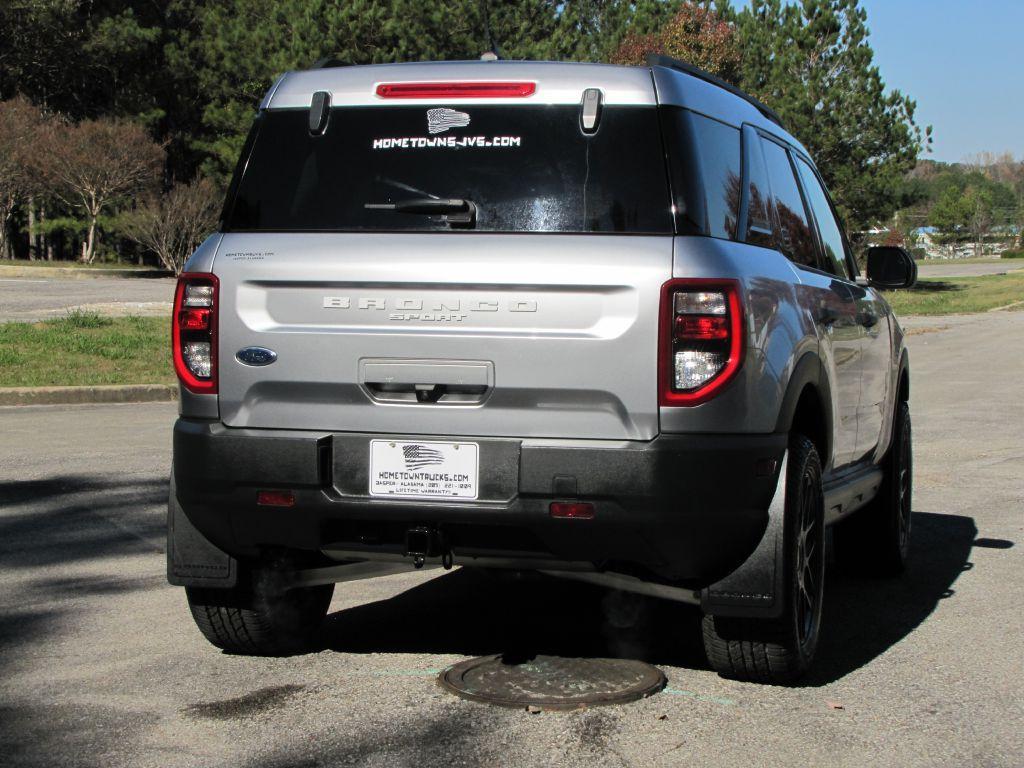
(537, 317)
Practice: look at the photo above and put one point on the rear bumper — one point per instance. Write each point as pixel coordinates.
(688, 509)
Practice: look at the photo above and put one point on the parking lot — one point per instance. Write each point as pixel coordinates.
(100, 664)
(29, 299)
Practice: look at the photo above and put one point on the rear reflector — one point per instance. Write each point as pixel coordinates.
(455, 90)
(578, 509)
(275, 499)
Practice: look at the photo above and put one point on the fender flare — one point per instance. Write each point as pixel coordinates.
(808, 371)
(904, 367)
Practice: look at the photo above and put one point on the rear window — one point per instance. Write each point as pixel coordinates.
(525, 168)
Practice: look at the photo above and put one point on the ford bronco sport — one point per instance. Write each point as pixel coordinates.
(596, 321)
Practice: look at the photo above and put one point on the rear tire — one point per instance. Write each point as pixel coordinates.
(258, 619)
(778, 651)
(875, 541)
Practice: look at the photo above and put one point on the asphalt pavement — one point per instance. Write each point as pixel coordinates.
(100, 664)
(28, 299)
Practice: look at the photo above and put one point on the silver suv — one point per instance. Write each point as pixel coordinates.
(600, 322)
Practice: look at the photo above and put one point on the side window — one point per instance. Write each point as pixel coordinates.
(828, 227)
(759, 219)
(796, 239)
(718, 147)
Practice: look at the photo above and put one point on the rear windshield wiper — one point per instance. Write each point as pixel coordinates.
(457, 211)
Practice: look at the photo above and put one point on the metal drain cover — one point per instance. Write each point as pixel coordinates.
(552, 682)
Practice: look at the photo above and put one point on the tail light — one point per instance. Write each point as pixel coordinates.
(194, 332)
(701, 339)
(469, 90)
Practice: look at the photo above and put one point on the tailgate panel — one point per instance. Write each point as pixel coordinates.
(515, 335)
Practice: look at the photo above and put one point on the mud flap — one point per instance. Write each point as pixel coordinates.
(756, 589)
(192, 561)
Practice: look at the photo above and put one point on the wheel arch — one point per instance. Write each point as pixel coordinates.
(806, 405)
(903, 379)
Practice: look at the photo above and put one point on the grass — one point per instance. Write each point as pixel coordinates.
(85, 348)
(949, 296)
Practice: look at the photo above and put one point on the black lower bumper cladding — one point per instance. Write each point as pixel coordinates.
(683, 509)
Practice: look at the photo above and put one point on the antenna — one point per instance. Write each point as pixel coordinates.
(492, 53)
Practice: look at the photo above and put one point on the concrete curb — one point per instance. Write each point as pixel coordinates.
(130, 393)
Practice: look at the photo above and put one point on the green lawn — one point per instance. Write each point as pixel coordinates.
(84, 348)
(954, 295)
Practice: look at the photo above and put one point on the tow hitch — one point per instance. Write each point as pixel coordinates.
(423, 542)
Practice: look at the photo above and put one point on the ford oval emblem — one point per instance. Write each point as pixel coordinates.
(256, 356)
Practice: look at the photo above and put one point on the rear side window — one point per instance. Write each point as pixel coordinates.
(526, 169)
(719, 148)
(760, 230)
(706, 172)
(828, 227)
(795, 237)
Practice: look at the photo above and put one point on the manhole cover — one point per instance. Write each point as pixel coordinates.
(551, 682)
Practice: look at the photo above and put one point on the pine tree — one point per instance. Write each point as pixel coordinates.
(812, 62)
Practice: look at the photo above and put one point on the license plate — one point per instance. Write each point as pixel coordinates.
(424, 470)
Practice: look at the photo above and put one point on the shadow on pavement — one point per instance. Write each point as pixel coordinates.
(475, 614)
(62, 522)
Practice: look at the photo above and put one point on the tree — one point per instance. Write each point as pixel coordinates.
(978, 204)
(19, 122)
(695, 34)
(813, 63)
(93, 165)
(172, 225)
(214, 54)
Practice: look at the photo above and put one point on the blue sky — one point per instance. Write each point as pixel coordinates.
(963, 62)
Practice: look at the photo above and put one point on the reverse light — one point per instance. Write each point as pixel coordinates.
(701, 339)
(469, 90)
(194, 332)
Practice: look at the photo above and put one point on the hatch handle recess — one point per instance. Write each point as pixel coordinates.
(427, 382)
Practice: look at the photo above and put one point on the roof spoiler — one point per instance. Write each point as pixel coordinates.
(657, 60)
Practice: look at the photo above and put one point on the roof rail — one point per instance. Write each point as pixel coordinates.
(328, 62)
(657, 60)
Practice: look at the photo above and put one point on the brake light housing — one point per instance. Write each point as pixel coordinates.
(700, 340)
(460, 90)
(194, 332)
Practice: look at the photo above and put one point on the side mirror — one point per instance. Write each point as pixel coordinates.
(891, 267)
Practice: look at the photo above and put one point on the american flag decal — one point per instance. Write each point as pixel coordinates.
(419, 456)
(441, 119)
